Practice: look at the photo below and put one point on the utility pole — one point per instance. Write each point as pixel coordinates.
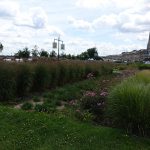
(56, 44)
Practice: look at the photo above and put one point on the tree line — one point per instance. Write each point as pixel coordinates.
(89, 54)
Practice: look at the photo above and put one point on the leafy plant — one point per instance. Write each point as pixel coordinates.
(27, 106)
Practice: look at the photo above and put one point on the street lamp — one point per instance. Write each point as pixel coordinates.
(56, 44)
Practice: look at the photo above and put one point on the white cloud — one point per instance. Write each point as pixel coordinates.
(9, 8)
(143, 36)
(35, 18)
(126, 20)
(108, 3)
(105, 20)
(79, 45)
(39, 17)
(79, 24)
(91, 3)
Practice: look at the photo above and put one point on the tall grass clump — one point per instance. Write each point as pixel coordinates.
(40, 77)
(24, 80)
(20, 79)
(129, 105)
(7, 83)
(144, 66)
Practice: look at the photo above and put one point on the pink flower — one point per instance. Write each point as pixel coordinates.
(73, 102)
(90, 93)
(90, 76)
(103, 93)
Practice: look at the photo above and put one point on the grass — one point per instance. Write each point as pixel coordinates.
(129, 103)
(21, 130)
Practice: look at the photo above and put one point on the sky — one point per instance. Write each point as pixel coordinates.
(113, 26)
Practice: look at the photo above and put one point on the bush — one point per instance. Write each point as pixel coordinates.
(95, 105)
(46, 107)
(128, 105)
(27, 106)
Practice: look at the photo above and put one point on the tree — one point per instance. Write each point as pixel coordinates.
(53, 54)
(1, 47)
(63, 55)
(84, 56)
(25, 53)
(92, 52)
(35, 52)
(68, 56)
(44, 53)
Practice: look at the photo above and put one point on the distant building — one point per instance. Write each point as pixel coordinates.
(133, 56)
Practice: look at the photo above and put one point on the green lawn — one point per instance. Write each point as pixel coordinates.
(21, 130)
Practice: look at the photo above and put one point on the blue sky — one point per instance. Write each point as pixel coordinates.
(113, 26)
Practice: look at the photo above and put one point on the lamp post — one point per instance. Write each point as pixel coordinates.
(56, 44)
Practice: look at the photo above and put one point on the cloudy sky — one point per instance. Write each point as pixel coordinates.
(112, 26)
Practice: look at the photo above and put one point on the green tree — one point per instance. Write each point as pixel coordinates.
(44, 53)
(53, 54)
(35, 52)
(92, 52)
(1, 47)
(84, 56)
(25, 53)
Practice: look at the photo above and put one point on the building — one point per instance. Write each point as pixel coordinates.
(133, 56)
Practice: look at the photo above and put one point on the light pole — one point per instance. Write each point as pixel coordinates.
(57, 42)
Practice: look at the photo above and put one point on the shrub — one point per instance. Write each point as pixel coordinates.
(27, 106)
(128, 106)
(94, 104)
(46, 107)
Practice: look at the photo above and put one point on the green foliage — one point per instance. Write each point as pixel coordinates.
(46, 107)
(1, 47)
(85, 116)
(44, 53)
(25, 53)
(36, 99)
(129, 103)
(27, 106)
(144, 66)
(92, 52)
(53, 54)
